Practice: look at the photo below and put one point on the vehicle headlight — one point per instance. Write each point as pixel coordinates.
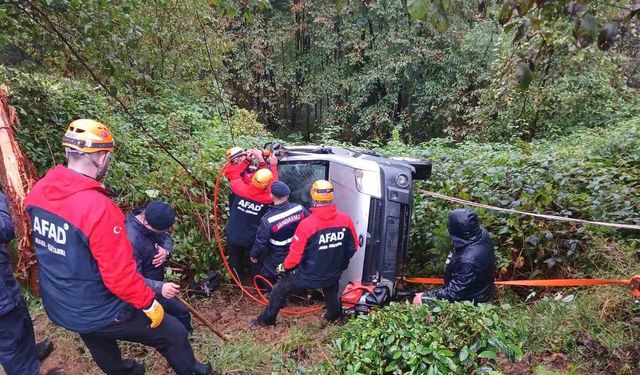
(402, 180)
(367, 182)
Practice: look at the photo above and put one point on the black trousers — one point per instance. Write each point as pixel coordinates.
(239, 257)
(17, 343)
(170, 339)
(173, 307)
(290, 283)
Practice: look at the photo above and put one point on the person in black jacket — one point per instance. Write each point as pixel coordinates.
(276, 230)
(470, 267)
(148, 233)
(19, 354)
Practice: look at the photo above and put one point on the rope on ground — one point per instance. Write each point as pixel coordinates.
(549, 283)
(542, 216)
(633, 282)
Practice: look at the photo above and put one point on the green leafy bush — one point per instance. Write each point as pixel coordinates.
(441, 338)
(141, 170)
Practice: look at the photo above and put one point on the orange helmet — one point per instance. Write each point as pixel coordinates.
(262, 178)
(88, 136)
(322, 191)
(234, 152)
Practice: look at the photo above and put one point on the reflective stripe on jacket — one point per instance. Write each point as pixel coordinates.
(275, 233)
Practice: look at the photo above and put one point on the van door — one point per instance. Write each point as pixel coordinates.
(355, 204)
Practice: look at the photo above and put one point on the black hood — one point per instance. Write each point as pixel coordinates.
(464, 227)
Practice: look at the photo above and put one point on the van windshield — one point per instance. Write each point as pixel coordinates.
(300, 175)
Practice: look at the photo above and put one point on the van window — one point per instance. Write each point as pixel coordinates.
(300, 175)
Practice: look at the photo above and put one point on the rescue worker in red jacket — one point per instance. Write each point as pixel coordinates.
(241, 163)
(321, 249)
(88, 277)
(248, 203)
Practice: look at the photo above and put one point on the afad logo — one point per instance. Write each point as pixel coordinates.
(50, 230)
(331, 237)
(255, 207)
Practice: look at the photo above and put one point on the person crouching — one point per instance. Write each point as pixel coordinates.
(470, 268)
(320, 250)
(148, 232)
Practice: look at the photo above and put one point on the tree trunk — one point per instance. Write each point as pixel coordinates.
(17, 175)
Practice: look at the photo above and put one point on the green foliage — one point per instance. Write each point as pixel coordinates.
(246, 123)
(442, 338)
(141, 171)
(359, 72)
(354, 70)
(435, 10)
(351, 70)
(45, 105)
(555, 88)
(592, 175)
(130, 47)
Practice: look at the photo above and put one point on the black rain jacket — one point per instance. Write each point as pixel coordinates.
(470, 268)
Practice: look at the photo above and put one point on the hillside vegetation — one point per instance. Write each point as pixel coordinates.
(534, 111)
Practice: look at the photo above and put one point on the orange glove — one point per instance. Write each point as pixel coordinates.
(155, 313)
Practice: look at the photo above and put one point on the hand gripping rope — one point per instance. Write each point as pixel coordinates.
(260, 299)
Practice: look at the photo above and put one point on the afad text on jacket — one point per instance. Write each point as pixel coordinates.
(322, 246)
(247, 206)
(86, 267)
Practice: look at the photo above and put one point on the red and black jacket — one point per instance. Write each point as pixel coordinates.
(247, 206)
(322, 246)
(86, 267)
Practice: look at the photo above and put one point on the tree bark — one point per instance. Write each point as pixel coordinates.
(17, 176)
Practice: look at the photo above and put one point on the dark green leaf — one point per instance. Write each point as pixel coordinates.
(488, 354)
(505, 14)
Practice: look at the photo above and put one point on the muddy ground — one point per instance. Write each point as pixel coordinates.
(235, 312)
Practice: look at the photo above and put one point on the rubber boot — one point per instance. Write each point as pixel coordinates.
(43, 349)
(202, 369)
